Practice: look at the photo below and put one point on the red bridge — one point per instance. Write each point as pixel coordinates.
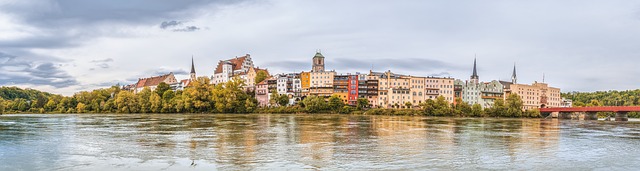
(590, 112)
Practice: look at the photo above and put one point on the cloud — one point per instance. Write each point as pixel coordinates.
(167, 24)
(176, 26)
(102, 60)
(187, 29)
(15, 70)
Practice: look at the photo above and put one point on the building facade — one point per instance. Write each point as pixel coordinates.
(227, 69)
(475, 92)
(152, 82)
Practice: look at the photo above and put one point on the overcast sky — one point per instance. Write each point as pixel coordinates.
(65, 46)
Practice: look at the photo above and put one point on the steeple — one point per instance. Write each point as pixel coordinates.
(193, 70)
(514, 78)
(474, 77)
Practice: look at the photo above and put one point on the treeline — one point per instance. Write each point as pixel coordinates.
(511, 107)
(606, 98)
(202, 97)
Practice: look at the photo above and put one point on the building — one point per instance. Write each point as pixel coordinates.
(251, 75)
(227, 69)
(440, 86)
(320, 81)
(353, 90)
(393, 90)
(341, 87)
(152, 82)
(305, 83)
(536, 95)
(566, 103)
(262, 93)
(475, 92)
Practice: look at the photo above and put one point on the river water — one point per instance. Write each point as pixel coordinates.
(312, 142)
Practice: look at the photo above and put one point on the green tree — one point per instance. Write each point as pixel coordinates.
(362, 103)
(162, 88)
(514, 106)
(441, 107)
(408, 105)
(476, 110)
(283, 100)
(498, 109)
(250, 104)
(314, 104)
(261, 76)
(462, 108)
(335, 103)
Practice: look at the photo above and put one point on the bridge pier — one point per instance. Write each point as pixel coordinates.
(564, 115)
(621, 116)
(590, 115)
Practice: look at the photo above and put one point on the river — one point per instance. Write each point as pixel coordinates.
(312, 142)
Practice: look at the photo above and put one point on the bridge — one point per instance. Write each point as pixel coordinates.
(590, 113)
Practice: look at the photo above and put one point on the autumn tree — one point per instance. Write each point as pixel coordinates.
(261, 76)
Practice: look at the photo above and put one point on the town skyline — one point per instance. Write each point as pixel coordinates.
(70, 46)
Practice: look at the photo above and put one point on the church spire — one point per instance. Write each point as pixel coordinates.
(475, 71)
(514, 78)
(193, 70)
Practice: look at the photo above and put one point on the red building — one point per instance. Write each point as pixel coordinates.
(353, 90)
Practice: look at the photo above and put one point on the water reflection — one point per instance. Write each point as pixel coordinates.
(332, 142)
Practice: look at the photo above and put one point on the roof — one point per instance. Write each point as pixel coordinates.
(152, 81)
(236, 63)
(318, 55)
(475, 72)
(185, 82)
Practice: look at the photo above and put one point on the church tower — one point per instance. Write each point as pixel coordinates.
(318, 62)
(474, 77)
(193, 71)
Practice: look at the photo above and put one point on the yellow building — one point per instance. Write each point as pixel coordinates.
(536, 95)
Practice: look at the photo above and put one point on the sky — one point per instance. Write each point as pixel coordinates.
(66, 46)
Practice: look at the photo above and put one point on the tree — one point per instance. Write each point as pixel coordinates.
(1, 105)
(408, 105)
(476, 110)
(261, 76)
(514, 106)
(250, 105)
(143, 97)
(127, 102)
(156, 103)
(362, 103)
(462, 108)
(162, 88)
(335, 103)
(441, 107)
(498, 109)
(80, 108)
(314, 104)
(273, 98)
(283, 100)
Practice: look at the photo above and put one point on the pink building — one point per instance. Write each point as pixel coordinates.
(262, 93)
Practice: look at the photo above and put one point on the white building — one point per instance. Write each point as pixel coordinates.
(227, 69)
(476, 92)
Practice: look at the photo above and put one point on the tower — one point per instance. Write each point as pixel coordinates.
(318, 63)
(474, 76)
(193, 71)
(514, 79)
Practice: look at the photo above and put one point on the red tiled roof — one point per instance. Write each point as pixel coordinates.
(152, 81)
(235, 62)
